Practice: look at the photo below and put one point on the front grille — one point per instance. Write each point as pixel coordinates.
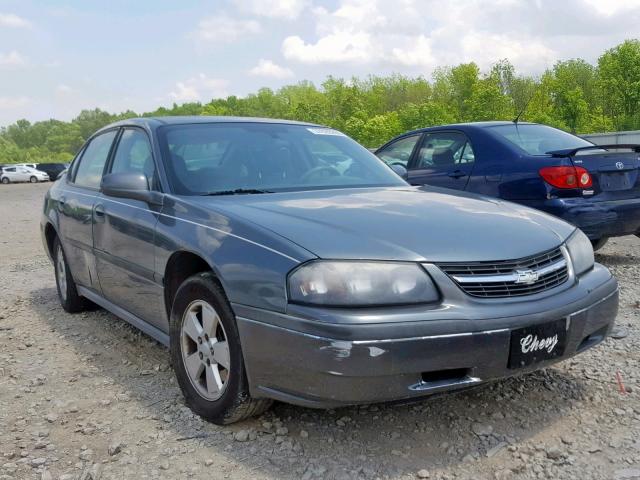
(510, 278)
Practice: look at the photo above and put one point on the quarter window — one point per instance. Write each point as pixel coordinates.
(399, 152)
(134, 155)
(91, 167)
(444, 149)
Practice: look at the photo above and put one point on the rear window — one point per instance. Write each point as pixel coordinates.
(539, 139)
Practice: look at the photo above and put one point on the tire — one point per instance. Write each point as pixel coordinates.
(33, 179)
(599, 243)
(6, 181)
(68, 295)
(218, 393)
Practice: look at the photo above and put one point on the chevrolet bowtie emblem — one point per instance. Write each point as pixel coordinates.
(526, 276)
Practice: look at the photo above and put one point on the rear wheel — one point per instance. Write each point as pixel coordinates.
(70, 300)
(33, 179)
(599, 243)
(5, 180)
(206, 353)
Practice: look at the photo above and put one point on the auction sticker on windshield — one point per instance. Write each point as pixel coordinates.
(325, 131)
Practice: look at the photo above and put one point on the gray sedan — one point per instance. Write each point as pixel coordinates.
(282, 260)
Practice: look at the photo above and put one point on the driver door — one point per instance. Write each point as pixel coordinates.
(124, 236)
(399, 152)
(443, 159)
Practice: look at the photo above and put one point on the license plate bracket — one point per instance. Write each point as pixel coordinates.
(537, 343)
(614, 181)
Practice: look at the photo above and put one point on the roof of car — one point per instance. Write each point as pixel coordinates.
(183, 120)
(464, 125)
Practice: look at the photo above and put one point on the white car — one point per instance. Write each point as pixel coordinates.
(22, 174)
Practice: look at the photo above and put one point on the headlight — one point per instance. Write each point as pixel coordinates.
(357, 284)
(581, 252)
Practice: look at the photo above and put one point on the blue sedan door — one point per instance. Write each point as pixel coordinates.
(124, 237)
(442, 159)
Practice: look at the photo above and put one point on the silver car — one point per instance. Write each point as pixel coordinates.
(22, 174)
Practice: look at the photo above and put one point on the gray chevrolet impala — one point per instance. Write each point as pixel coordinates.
(282, 260)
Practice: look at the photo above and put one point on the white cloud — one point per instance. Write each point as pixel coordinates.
(10, 103)
(359, 31)
(415, 36)
(612, 7)
(224, 29)
(12, 60)
(335, 47)
(63, 89)
(418, 53)
(13, 21)
(199, 88)
(486, 48)
(266, 68)
(287, 9)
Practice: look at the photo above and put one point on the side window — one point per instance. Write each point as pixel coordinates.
(399, 151)
(134, 154)
(91, 167)
(444, 149)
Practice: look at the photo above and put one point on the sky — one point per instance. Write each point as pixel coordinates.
(59, 57)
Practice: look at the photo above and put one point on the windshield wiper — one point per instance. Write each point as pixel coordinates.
(237, 191)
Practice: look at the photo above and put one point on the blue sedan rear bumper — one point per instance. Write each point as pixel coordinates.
(597, 219)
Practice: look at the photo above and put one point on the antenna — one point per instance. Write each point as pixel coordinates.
(515, 120)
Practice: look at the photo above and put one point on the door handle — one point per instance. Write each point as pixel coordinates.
(457, 174)
(98, 211)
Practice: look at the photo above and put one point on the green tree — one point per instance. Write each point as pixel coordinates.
(619, 77)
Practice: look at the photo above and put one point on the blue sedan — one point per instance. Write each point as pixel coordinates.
(596, 188)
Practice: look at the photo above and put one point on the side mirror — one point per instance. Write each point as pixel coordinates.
(130, 185)
(400, 170)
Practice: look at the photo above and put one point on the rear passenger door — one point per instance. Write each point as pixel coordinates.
(124, 235)
(443, 159)
(75, 207)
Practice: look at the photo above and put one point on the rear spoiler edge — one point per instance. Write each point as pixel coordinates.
(570, 152)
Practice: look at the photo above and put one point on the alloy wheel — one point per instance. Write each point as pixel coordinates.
(205, 350)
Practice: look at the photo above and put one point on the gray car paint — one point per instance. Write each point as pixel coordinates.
(252, 242)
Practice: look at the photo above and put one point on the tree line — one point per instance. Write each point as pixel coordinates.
(574, 95)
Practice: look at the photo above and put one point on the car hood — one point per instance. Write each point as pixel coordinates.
(398, 223)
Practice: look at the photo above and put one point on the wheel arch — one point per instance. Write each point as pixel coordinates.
(181, 265)
(50, 234)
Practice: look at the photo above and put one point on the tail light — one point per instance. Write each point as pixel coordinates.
(566, 177)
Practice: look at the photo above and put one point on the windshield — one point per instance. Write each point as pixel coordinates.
(539, 139)
(266, 157)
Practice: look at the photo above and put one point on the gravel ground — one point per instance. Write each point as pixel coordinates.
(86, 396)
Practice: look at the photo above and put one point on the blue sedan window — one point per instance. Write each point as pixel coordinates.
(219, 157)
(538, 139)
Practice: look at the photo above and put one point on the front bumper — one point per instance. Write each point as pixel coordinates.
(335, 359)
(597, 218)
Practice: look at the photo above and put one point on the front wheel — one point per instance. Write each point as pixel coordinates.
(33, 179)
(206, 353)
(599, 243)
(5, 180)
